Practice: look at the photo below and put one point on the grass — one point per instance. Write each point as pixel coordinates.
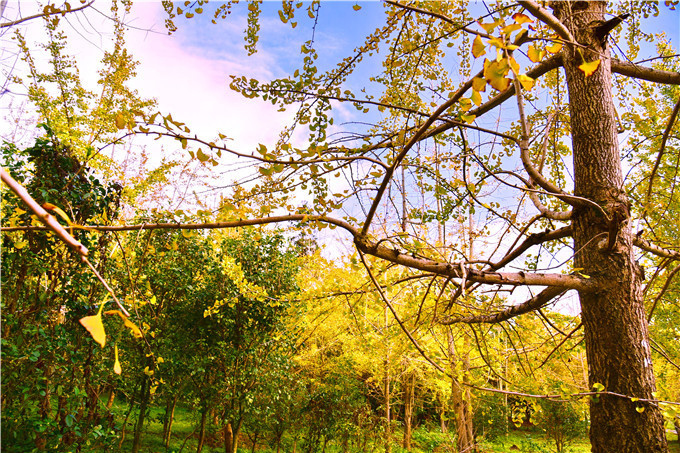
(424, 441)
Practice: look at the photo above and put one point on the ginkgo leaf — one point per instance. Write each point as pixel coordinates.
(590, 67)
(116, 364)
(468, 118)
(129, 324)
(478, 47)
(476, 97)
(120, 121)
(554, 47)
(95, 326)
(640, 409)
(58, 211)
(526, 81)
(495, 72)
(535, 54)
(479, 84)
(521, 18)
(201, 155)
(356, 7)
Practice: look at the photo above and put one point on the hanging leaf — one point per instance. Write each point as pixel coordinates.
(479, 84)
(590, 67)
(116, 364)
(201, 155)
(640, 409)
(478, 47)
(356, 7)
(476, 97)
(95, 326)
(129, 324)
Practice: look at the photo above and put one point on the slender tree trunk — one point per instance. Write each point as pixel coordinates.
(616, 331)
(228, 438)
(201, 430)
(144, 396)
(465, 440)
(409, 399)
(169, 418)
(388, 414)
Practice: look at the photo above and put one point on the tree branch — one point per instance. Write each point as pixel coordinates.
(45, 14)
(645, 73)
(547, 18)
(655, 249)
(536, 302)
(664, 139)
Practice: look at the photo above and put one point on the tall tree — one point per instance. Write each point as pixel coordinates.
(497, 169)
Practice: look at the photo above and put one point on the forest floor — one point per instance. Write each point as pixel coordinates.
(184, 439)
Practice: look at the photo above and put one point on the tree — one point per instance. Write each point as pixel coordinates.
(446, 145)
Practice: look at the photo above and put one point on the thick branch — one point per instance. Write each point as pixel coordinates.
(655, 249)
(473, 275)
(645, 73)
(536, 302)
(49, 221)
(547, 18)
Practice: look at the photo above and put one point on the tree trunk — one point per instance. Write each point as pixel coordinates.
(409, 399)
(616, 334)
(201, 430)
(465, 440)
(386, 394)
(231, 432)
(144, 396)
(168, 420)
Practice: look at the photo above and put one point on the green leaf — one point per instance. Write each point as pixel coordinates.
(598, 387)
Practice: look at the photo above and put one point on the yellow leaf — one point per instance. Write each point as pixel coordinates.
(521, 18)
(476, 97)
(526, 81)
(356, 7)
(589, 68)
(478, 47)
(554, 47)
(20, 244)
(129, 324)
(640, 409)
(495, 72)
(478, 84)
(116, 364)
(468, 118)
(201, 155)
(120, 121)
(94, 325)
(535, 54)
(490, 26)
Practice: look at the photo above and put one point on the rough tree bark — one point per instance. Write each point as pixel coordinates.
(616, 332)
